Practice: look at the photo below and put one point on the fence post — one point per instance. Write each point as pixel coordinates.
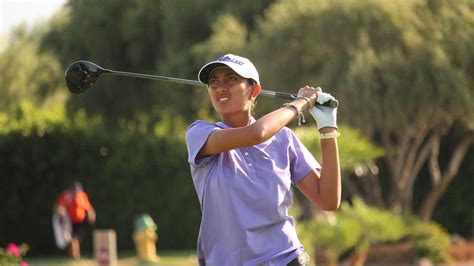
(105, 247)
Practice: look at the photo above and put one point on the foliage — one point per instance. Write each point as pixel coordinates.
(431, 241)
(354, 148)
(382, 49)
(144, 36)
(26, 74)
(386, 61)
(28, 119)
(356, 227)
(125, 173)
(13, 255)
(390, 65)
(224, 27)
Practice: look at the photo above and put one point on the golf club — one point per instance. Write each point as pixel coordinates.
(82, 75)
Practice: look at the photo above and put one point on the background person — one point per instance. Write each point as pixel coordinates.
(243, 169)
(74, 203)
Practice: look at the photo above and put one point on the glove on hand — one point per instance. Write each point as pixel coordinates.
(324, 116)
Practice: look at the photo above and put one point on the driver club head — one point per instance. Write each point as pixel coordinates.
(82, 75)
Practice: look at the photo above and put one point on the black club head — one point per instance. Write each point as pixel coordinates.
(82, 75)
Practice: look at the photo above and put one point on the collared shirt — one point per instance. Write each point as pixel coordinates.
(245, 194)
(77, 204)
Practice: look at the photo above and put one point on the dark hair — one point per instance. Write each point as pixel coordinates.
(76, 185)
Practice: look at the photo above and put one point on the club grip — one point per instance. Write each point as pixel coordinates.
(283, 95)
(331, 103)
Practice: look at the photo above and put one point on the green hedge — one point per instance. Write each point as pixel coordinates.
(124, 173)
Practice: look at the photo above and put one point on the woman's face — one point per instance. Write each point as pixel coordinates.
(229, 92)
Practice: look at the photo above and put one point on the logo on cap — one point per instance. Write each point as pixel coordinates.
(227, 58)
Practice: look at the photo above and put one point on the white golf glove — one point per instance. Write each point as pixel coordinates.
(324, 116)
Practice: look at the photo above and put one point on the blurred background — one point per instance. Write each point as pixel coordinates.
(403, 72)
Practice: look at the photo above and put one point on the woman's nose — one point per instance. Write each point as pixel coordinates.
(221, 87)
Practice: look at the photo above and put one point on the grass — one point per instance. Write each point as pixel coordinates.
(167, 258)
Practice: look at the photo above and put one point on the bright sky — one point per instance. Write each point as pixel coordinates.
(13, 12)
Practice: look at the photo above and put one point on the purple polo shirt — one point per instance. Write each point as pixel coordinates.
(245, 195)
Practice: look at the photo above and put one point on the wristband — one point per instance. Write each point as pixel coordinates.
(299, 113)
(331, 135)
(308, 102)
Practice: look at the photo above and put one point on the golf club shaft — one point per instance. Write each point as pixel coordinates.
(281, 95)
(155, 77)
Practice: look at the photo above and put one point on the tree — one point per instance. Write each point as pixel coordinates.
(356, 153)
(401, 69)
(147, 36)
(121, 35)
(457, 29)
(27, 74)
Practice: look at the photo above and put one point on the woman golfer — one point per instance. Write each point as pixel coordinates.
(243, 169)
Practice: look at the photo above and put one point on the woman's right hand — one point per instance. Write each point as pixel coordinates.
(310, 94)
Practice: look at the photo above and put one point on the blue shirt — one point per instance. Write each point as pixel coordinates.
(245, 195)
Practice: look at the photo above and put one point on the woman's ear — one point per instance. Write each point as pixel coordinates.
(256, 90)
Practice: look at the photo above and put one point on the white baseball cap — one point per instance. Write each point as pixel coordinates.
(240, 65)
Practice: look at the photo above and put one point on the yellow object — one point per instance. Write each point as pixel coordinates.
(145, 244)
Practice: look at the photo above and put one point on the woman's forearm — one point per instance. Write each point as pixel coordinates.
(330, 180)
(268, 125)
(263, 129)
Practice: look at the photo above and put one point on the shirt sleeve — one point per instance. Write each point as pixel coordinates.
(301, 160)
(196, 136)
(84, 200)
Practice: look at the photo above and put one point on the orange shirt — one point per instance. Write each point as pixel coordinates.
(76, 205)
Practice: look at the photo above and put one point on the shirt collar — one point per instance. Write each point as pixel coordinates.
(223, 125)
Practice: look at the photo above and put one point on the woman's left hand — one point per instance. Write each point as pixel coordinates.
(324, 116)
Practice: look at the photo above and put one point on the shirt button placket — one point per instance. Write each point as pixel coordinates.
(246, 153)
(250, 163)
